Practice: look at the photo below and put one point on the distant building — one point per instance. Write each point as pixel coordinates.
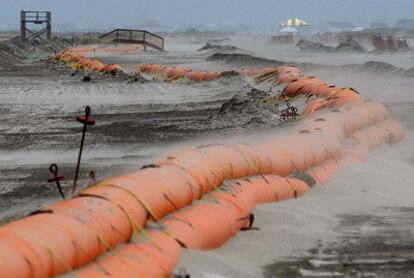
(191, 31)
(407, 23)
(378, 24)
(152, 25)
(246, 28)
(339, 26)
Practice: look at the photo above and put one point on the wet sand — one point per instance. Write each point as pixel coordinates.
(293, 233)
(135, 122)
(138, 122)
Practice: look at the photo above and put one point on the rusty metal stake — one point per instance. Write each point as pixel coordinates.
(290, 112)
(249, 217)
(54, 170)
(85, 120)
(182, 273)
(92, 175)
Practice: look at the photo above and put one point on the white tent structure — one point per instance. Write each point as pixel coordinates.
(358, 29)
(294, 23)
(288, 30)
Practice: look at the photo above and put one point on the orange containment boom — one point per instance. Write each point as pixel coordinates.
(75, 58)
(198, 198)
(280, 74)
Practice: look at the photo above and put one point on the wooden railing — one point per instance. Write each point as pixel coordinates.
(135, 36)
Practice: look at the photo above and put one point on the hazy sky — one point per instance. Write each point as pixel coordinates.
(96, 13)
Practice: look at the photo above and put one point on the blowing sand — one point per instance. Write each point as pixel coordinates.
(298, 231)
(329, 226)
(289, 229)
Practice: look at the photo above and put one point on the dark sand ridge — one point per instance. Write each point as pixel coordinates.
(373, 67)
(153, 115)
(134, 121)
(14, 52)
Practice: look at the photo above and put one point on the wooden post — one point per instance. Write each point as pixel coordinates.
(35, 17)
(22, 25)
(145, 42)
(48, 25)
